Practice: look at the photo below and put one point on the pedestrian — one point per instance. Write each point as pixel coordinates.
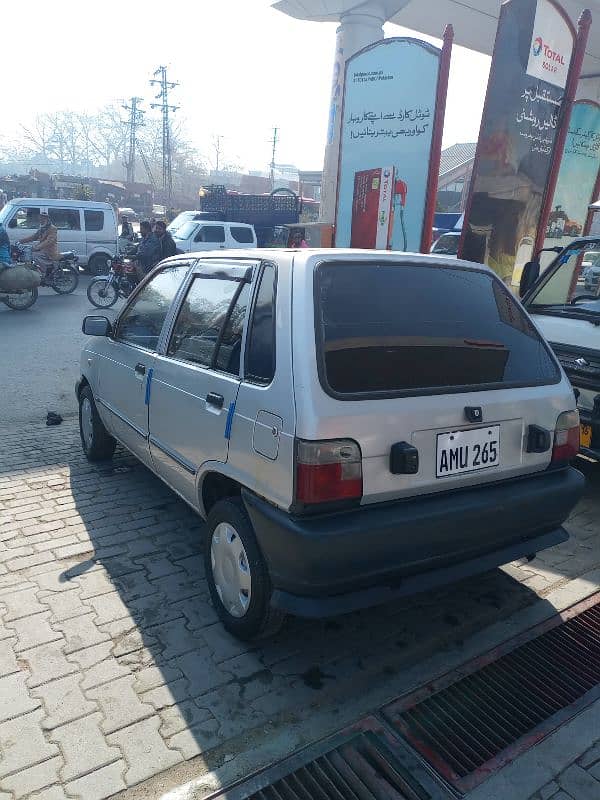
(165, 240)
(46, 244)
(148, 250)
(126, 228)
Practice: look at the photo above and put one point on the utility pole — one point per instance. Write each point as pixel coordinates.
(136, 119)
(274, 143)
(217, 146)
(166, 109)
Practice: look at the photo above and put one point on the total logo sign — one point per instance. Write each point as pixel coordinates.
(551, 45)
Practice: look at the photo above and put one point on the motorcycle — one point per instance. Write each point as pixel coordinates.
(63, 277)
(104, 291)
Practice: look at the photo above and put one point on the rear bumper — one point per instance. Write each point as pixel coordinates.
(341, 562)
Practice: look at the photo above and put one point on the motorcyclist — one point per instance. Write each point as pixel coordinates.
(4, 246)
(126, 228)
(46, 244)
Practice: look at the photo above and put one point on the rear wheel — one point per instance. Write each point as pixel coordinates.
(21, 301)
(65, 279)
(102, 293)
(97, 443)
(98, 264)
(238, 578)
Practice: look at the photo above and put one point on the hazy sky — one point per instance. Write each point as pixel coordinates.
(243, 69)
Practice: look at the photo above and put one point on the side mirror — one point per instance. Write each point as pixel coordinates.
(530, 274)
(96, 326)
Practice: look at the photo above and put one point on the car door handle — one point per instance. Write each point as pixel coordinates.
(215, 400)
(140, 369)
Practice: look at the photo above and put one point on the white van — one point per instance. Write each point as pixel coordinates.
(195, 235)
(87, 228)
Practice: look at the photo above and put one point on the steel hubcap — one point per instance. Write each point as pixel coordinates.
(87, 427)
(231, 571)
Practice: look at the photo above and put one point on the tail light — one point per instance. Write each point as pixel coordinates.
(328, 471)
(566, 437)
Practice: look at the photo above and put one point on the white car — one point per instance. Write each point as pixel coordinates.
(569, 317)
(353, 426)
(193, 236)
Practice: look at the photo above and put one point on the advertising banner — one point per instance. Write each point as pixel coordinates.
(577, 175)
(388, 126)
(526, 90)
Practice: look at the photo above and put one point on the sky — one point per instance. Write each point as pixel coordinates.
(243, 68)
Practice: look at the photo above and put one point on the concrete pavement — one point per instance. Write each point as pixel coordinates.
(115, 674)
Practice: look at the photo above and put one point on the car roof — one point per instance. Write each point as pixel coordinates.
(51, 201)
(306, 257)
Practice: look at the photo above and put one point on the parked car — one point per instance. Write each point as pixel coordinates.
(446, 244)
(353, 426)
(131, 215)
(195, 236)
(88, 229)
(569, 317)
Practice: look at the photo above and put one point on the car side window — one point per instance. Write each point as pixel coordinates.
(210, 233)
(67, 219)
(142, 321)
(26, 219)
(94, 220)
(230, 346)
(204, 313)
(260, 356)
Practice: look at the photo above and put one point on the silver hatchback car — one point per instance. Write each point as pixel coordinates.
(352, 425)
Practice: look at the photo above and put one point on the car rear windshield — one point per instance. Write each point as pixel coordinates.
(393, 329)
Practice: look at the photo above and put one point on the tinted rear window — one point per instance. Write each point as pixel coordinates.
(398, 329)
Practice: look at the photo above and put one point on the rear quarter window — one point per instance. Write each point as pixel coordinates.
(394, 329)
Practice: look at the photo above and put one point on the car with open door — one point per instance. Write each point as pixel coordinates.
(353, 426)
(567, 311)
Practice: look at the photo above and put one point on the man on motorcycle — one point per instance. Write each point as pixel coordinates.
(45, 248)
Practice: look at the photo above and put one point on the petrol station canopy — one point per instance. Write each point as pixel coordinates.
(474, 21)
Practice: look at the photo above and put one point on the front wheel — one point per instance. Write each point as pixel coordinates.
(97, 443)
(238, 578)
(21, 301)
(102, 293)
(64, 279)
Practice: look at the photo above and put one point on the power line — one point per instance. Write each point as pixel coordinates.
(136, 119)
(274, 143)
(163, 96)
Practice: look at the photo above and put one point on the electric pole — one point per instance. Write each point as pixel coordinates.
(136, 119)
(217, 146)
(166, 109)
(274, 143)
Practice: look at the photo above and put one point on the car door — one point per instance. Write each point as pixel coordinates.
(71, 235)
(196, 376)
(209, 237)
(126, 359)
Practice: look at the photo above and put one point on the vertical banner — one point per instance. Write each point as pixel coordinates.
(577, 176)
(526, 89)
(393, 113)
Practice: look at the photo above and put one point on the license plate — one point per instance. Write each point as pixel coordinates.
(586, 436)
(468, 451)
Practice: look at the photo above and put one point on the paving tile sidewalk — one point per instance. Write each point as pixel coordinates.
(113, 667)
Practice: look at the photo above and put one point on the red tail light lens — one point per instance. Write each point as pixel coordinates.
(566, 437)
(328, 471)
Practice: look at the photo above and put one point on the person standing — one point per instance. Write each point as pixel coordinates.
(165, 240)
(148, 250)
(45, 248)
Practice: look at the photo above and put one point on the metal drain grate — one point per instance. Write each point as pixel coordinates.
(480, 722)
(360, 768)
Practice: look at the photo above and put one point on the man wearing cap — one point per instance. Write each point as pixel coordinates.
(46, 244)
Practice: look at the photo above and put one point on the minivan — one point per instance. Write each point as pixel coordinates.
(87, 228)
(353, 426)
(197, 235)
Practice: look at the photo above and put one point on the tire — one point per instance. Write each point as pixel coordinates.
(21, 301)
(101, 293)
(98, 264)
(65, 279)
(247, 615)
(97, 443)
